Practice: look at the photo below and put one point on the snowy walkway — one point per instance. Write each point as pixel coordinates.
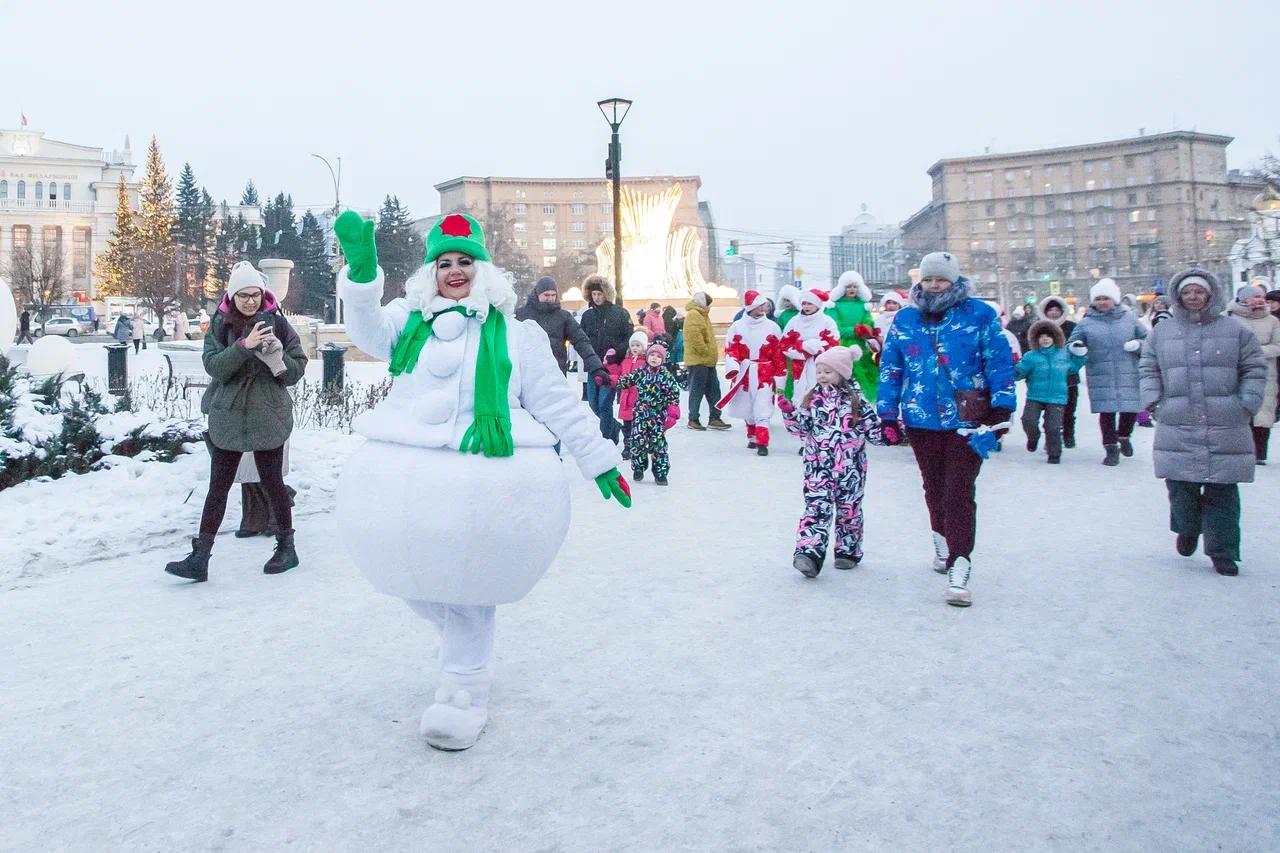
(671, 684)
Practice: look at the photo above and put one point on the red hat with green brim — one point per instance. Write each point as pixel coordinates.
(456, 232)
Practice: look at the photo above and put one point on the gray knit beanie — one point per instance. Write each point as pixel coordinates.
(939, 265)
(1243, 294)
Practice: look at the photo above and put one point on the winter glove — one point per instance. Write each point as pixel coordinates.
(272, 358)
(998, 415)
(1078, 348)
(889, 429)
(862, 330)
(784, 405)
(673, 417)
(601, 377)
(613, 485)
(355, 235)
(813, 346)
(1133, 345)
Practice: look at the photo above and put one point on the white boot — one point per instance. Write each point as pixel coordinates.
(940, 553)
(958, 583)
(459, 714)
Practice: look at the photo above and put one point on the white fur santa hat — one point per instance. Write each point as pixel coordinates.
(851, 281)
(753, 299)
(790, 294)
(894, 296)
(813, 297)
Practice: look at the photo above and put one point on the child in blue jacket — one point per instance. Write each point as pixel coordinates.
(1046, 368)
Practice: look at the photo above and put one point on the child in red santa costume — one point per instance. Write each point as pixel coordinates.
(753, 362)
(808, 334)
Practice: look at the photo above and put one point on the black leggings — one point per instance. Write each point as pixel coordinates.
(1112, 431)
(223, 465)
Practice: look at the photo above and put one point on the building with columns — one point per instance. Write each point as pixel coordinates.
(63, 195)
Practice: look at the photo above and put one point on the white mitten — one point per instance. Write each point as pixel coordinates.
(1078, 348)
(813, 346)
(1133, 345)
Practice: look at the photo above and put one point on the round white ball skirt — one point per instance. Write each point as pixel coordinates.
(439, 525)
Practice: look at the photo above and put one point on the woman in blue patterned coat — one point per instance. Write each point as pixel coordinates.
(946, 366)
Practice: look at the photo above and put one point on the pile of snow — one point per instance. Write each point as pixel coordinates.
(50, 526)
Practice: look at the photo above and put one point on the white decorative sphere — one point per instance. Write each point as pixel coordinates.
(51, 354)
(8, 316)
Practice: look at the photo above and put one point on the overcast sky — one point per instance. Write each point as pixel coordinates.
(793, 113)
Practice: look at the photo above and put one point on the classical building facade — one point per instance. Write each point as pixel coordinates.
(551, 218)
(870, 248)
(1052, 220)
(62, 198)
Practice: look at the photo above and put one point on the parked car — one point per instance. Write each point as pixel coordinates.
(68, 326)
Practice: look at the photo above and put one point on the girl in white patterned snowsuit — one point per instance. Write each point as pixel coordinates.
(836, 422)
(753, 362)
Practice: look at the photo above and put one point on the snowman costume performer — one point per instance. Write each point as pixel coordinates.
(753, 361)
(457, 501)
(805, 338)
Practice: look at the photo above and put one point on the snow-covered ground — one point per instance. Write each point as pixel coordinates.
(671, 684)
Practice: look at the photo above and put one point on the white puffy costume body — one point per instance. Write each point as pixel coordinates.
(456, 533)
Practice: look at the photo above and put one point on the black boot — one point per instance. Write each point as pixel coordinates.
(1126, 446)
(1113, 455)
(195, 567)
(285, 557)
(762, 450)
(1225, 566)
(1186, 543)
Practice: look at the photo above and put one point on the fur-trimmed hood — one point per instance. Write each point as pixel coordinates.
(851, 284)
(490, 288)
(1045, 327)
(598, 282)
(1061, 303)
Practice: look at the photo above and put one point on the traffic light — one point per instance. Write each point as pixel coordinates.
(733, 248)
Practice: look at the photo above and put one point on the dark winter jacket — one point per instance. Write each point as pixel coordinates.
(123, 329)
(1019, 327)
(248, 408)
(1046, 370)
(656, 391)
(560, 327)
(608, 326)
(1206, 374)
(939, 345)
(24, 322)
(1111, 371)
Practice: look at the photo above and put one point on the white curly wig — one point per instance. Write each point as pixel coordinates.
(490, 287)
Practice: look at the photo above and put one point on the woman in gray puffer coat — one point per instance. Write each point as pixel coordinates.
(1111, 336)
(1204, 374)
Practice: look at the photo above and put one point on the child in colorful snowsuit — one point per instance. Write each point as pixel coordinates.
(836, 422)
(633, 360)
(656, 410)
(1046, 368)
(753, 362)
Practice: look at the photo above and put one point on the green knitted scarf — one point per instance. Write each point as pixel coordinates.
(490, 432)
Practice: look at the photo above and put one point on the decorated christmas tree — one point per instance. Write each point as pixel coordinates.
(113, 267)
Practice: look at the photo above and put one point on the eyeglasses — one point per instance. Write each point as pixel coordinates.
(249, 297)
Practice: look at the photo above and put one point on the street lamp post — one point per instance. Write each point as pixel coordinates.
(337, 209)
(614, 111)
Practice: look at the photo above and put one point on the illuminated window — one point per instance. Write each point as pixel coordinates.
(521, 227)
(548, 261)
(549, 245)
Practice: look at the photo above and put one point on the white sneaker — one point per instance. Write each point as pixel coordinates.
(958, 583)
(940, 553)
(459, 714)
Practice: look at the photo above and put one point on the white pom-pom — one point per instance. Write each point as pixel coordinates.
(857, 351)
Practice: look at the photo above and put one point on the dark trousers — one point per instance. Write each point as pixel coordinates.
(222, 476)
(949, 469)
(139, 343)
(1261, 437)
(1069, 413)
(1116, 426)
(1208, 509)
(600, 399)
(24, 336)
(1052, 424)
(703, 382)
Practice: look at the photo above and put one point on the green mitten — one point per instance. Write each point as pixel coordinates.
(613, 485)
(355, 235)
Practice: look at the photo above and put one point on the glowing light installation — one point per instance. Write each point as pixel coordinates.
(659, 260)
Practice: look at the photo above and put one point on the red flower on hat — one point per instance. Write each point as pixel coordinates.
(455, 225)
